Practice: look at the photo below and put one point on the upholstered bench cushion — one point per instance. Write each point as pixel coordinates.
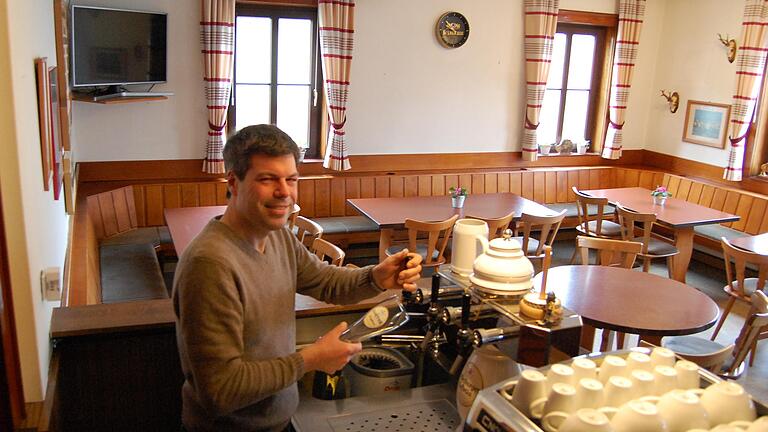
(151, 235)
(571, 210)
(130, 272)
(346, 224)
(715, 231)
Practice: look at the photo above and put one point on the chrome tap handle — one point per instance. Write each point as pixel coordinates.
(435, 294)
(482, 337)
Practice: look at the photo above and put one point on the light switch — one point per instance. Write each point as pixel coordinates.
(50, 283)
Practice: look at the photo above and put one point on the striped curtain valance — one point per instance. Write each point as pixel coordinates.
(217, 36)
(336, 22)
(631, 14)
(749, 77)
(540, 27)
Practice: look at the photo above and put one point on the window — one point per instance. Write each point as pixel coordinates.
(277, 72)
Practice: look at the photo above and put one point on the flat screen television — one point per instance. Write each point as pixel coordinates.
(114, 47)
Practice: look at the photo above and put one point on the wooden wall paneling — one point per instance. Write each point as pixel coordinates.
(381, 186)
(396, 186)
(764, 225)
(684, 189)
(562, 187)
(93, 276)
(190, 194)
(411, 184)
(122, 209)
(94, 215)
(322, 197)
(594, 179)
(695, 194)
(465, 181)
(338, 196)
(604, 177)
(573, 180)
(539, 186)
(367, 187)
(207, 193)
(131, 203)
(516, 182)
(756, 216)
(351, 191)
(107, 212)
(140, 204)
(307, 197)
(154, 208)
(452, 180)
(674, 185)
(718, 199)
(438, 184)
(742, 209)
(502, 182)
(644, 179)
(221, 193)
(424, 185)
(478, 183)
(171, 196)
(583, 183)
(707, 193)
(491, 183)
(620, 178)
(731, 204)
(632, 178)
(527, 185)
(550, 187)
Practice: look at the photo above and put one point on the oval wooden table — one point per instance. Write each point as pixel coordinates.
(631, 301)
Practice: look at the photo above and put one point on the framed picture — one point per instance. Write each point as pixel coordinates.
(56, 150)
(706, 123)
(44, 118)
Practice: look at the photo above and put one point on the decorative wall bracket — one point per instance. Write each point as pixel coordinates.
(673, 99)
(731, 45)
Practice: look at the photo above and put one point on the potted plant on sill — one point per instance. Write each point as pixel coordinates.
(660, 195)
(458, 194)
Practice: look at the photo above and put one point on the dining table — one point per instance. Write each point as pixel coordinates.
(630, 301)
(390, 213)
(757, 243)
(679, 215)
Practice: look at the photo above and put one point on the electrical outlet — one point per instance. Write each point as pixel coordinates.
(50, 283)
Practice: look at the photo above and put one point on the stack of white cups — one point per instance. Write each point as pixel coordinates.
(643, 393)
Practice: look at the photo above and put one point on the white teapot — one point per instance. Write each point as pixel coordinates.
(502, 268)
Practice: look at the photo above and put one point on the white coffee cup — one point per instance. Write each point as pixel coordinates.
(562, 398)
(666, 379)
(662, 357)
(638, 360)
(611, 366)
(583, 420)
(560, 373)
(638, 416)
(590, 393)
(581, 148)
(726, 428)
(687, 374)
(644, 382)
(759, 425)
(681, 410)
(583, 368)
(545, 148)
(618, 390)
(726, 402)
(531, 385)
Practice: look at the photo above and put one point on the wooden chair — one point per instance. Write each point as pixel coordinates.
(596, 225)
(631, 222)
(547, 227)
(292, 217)
(307, 229)
(726, 361)
(609, 253)
(438, 235)
(740, 287)
(496, 226)
(323, 248)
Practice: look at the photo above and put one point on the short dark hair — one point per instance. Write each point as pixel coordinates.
(263, 139)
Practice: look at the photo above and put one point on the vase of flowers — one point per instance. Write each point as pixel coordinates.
(660, 195)
(458, 194)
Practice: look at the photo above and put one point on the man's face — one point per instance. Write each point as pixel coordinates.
(265, 197)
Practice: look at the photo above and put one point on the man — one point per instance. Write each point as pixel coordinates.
(234, 289)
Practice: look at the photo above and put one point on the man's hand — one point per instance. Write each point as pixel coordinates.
(329, 354)
(392, 274)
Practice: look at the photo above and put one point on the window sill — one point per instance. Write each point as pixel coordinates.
(759, 178)
(568, 154)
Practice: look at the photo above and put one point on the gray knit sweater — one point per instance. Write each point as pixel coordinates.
(236, 327)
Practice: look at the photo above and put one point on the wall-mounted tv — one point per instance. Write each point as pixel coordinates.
(113, 47)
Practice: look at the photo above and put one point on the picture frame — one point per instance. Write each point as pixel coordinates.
(56, 138)
(44, 118)
(706, 123)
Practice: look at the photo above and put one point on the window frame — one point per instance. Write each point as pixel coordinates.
(316, 109)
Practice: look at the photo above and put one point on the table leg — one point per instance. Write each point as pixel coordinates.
(683, 243)
(588, 337)
(385, 241)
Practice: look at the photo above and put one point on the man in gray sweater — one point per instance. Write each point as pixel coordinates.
(233, 295)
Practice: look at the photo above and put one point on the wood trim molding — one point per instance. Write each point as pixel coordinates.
(587, 18)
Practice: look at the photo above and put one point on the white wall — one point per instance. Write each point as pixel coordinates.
(692, 61)
(36, 225)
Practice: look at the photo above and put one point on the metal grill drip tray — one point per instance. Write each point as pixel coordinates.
(437, 416)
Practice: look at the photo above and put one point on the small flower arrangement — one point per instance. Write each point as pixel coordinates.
(457, 192)
(661, 192)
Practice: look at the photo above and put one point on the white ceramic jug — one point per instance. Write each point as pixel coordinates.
(467, 244)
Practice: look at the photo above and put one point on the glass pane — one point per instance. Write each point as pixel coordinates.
(293, 112)
(547, 131)
(575, 116)
(252, 105)
(294, 51)
(582, 57)
(253, 50)
(555, 78)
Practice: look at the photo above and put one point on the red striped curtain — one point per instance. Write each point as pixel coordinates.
(337, 28)
(749, 77)
(217, 34)
(631, 13)
(540, 26)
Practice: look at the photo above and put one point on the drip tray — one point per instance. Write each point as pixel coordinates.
(437, 416)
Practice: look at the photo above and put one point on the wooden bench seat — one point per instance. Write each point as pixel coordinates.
(155, 236)
(130, 272)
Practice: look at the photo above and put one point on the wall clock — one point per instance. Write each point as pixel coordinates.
(452, 29)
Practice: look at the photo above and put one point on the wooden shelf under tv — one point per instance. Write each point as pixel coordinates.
(118, 100)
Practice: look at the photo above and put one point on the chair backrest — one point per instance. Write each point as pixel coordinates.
(323, 248)
(583, 201)
(546, 225)
(631, 222)
(307, 229)
(736, 264)
(292, 217)
(609, 252)
(756, 321)
(496, 226)
(438, 234)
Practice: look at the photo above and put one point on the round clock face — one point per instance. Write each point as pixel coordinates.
(452, 29)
